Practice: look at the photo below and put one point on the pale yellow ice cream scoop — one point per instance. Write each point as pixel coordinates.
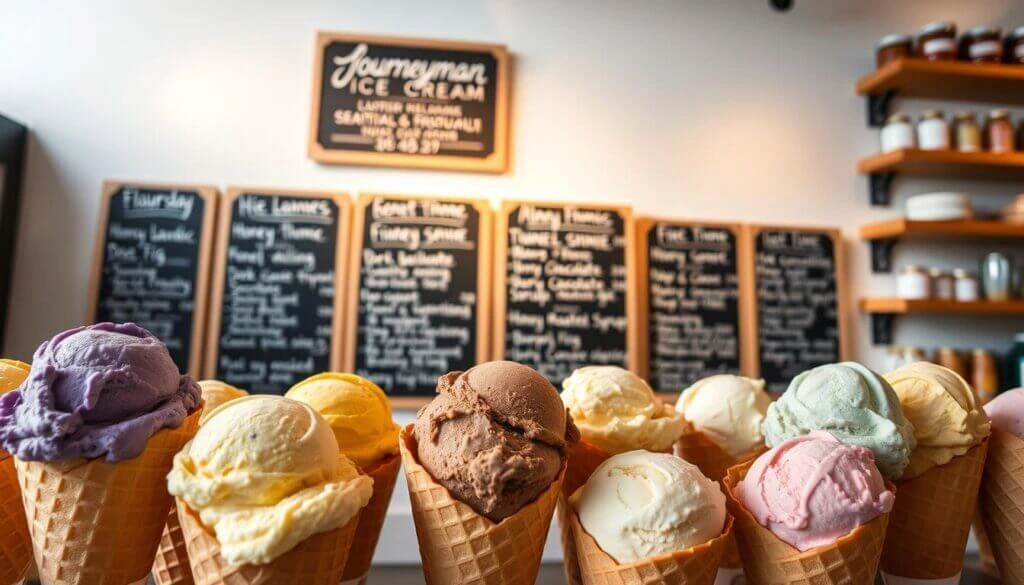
(12, 374)
(947, 418)
(264, 474)
(357, 410)
(216, 393)
(729, 410)
(617, 411)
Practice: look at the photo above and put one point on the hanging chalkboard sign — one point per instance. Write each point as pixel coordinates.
(797, 277)
(151, 263)
(565, 282)
(689, 293)
(277, 317)
(420, 291)
(404, 102)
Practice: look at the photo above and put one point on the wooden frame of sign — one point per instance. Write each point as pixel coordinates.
(748, 263)
(501, 269)
(200, 312)
(643, 226)
(344, 203)
(496, 162)
(483, 287)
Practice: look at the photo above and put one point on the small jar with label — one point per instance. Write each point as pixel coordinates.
(982, 44)
(898, 133)
(999, 132)
(943, 284)
(966, 132)
(892, 48)
(913, 283)
(1013, 50)
(937, 42)
(965, 286)
(932, 131)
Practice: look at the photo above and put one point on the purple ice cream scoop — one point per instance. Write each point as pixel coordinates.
(98, 391)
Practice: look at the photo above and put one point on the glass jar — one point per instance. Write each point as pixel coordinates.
(936, 42)
(932, 131)
(913, 283)
(898, 133)
(999, 132)
(892, 48)
(984, 375)
(943, 285)
(982, 44)
(965, 287)
(966, 132)
(948, 357)
(1013, 51)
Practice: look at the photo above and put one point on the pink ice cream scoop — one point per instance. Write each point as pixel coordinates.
(1007, 412)
(811, 490)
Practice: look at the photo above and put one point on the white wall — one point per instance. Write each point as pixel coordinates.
(705, 109)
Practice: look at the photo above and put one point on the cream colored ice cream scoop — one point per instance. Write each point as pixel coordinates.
(729, 410)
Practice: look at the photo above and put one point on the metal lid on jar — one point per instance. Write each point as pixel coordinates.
(938, 272)
(932, 115)
(895, 39)
(944, 27)
(897, 119)
(965, 116)
(912, 269)
(984, 30)
(998, 114)
(961, 273)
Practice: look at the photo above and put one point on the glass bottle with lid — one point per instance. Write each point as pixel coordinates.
(966, 132)
(982, 44)
(898, 133)
(936, 41)
(932, 131)
(999, 132)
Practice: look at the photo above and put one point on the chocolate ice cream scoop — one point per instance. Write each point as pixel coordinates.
(495, 436)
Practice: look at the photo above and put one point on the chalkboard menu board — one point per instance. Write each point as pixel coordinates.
(277, 316)
(409, 103)
(151, 263)
(799, 284)
(565, 281)
(419, 302)
(690, 290)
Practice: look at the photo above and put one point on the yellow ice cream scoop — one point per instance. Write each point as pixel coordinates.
(12, 374)
(944, 411)
(216, 393)
(357, 410)
(264, 474)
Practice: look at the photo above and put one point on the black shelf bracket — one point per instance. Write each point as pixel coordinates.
(878, 108)
(881, 328)
(879, 185)
(881, 255)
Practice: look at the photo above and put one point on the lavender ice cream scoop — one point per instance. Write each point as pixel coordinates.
(97, 391)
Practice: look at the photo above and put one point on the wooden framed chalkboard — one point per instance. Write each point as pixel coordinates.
(689, 314)
(419, 298)
(796, 279)
(278, 304)
(404, 102)
(151, 263)
(565, 281)
(13, 148)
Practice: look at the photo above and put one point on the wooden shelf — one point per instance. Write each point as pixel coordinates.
(953, 80)
(946, 163)
(965, 228)
(894, 306)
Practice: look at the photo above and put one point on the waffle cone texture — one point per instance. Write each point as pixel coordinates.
(767, 560)
(931, 521)
(318, 560)
(459, 546)
(371, 519)
(1002, 504)
(583, 460)
(171, 566)
(693, 566)
(99, 523)
(15, 543)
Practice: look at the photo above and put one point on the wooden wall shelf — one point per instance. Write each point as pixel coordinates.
(883, 311)
(884, 235)
(883, 167)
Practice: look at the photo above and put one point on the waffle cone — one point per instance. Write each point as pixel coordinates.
(693, 566)
(1002, 504)
(318, 560)
(986, 558)
(371, 519)
(931, 520)
(583, 459)
(99, 523)
(171, 566)
(768, 560)
(459, 546)
(15, 543)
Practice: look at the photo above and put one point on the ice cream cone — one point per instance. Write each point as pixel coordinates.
(15, 543)
(459, 546)
(583, 459)
(931, 521)
(986, 558)
(98, 523)
(371, 520)
(318, 560)
(768, 560)
(1002, 504)
(171, 566)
